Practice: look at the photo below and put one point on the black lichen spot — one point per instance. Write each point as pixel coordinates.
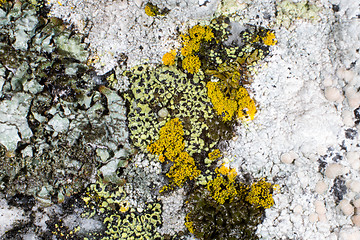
(357, 115)
(350, 133)
(322, 165)
(337, 157)
(335, 8)
(338, 189)
(343, 146)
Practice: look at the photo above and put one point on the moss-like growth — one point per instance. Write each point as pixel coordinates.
(232, 220)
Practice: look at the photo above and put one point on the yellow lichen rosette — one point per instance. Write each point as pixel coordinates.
(169, 58)
(191, 64)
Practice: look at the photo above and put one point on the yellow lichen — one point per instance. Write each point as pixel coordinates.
(200, 33)
(169, 58)
(183, 169)
(246, 105)
(191, 45)
(214, 154)
(226, 171)
(150, 10)
(241, 103)
(189, 224)
(170, 146)
(269, 39)
(190, 48)
(170, 140)
(208, 34)
(124, 206)
(191, 64)
(223, 187)
(185, 38)
(197, 32)
(261, 194)
(223, 106)
(191, 41)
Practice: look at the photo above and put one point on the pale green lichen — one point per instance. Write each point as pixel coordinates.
(109, 202)
(289, 11)
(184, 97)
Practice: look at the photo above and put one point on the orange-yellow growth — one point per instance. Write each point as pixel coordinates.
(246, 105)
(183, 169)
(170, 146)
(269, 39)
(214, 154)
(149, 11)
(200, 33)
(169, 58)
(223, 187)
(191, 45)
(223, 106)
(191, 64)
(260, 194)
(241, 105)
(190, 48)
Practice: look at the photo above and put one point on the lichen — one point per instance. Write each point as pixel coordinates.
(215, 154)
(109, 203)
(170, 147)
(232, 220)
(169, 58)
(224, 107)
(191, 45)
(269, 39)
(67, 112)
(191, 64)
(260, 194)
(183, 97)
(152, 10)
(182, 112)
(289, 12)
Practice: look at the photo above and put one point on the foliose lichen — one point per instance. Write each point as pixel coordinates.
(64, 113)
